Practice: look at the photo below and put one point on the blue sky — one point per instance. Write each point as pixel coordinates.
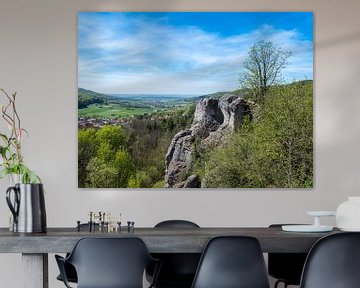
(184, 52)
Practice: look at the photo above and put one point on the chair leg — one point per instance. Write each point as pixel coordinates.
(278, 282)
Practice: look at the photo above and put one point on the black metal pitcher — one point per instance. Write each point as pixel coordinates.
(28, 208)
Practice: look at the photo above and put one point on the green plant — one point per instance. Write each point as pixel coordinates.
(262, 68)
(12, 160)
(273, 149)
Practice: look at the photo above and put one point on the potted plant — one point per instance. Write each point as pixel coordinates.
(26, 197)
(11, 159)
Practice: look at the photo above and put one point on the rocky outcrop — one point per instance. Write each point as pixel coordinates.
(233, 109)
(178, 158)
(193, 181)
(214, 119)
(207, 118)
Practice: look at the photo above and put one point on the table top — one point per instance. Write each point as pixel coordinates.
(158, 240)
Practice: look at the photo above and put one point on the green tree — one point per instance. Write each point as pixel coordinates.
(105, 172)
(114, 136)
(288, 124)
(87, 146)
(133, 182)
(231, 165)
(100, 174)
(262, 67)
(124, 167)
(274, 150)
(103, 160)
(105, 153)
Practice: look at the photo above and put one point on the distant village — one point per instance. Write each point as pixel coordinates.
(84, 122)
(98, 123)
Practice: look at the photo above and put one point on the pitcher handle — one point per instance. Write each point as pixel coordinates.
(13, 208)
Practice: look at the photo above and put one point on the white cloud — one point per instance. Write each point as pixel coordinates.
(135, 56)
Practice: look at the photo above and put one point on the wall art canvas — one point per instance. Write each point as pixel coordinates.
(195, 100)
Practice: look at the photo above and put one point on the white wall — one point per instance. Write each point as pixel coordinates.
(38, 59)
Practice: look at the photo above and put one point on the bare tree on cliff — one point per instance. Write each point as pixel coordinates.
(262, 67)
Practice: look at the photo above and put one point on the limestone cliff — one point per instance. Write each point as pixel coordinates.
(214, 119)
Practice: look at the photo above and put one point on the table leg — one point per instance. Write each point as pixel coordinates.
(35, 270)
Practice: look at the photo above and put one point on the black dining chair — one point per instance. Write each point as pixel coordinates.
(70, 271)
(286, 267)
(178, 269)
(232, 262)
(108, 263)
(333, 262)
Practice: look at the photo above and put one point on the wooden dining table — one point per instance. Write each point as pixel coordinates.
(35, 247)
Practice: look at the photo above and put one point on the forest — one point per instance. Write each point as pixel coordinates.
(275, 149)
(132, 155)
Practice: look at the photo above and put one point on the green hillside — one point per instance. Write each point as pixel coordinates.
(88, 97)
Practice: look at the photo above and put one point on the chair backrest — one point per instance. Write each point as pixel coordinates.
(333, 262)
(110, 262)
(176, 224)
(178, 269)
(232, 262)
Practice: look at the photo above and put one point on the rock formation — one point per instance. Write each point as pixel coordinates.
(214, 119)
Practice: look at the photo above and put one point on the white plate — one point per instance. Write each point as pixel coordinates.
(321, 213)
(306, 228)
(350, 229)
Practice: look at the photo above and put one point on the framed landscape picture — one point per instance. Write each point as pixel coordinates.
(195, 100)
